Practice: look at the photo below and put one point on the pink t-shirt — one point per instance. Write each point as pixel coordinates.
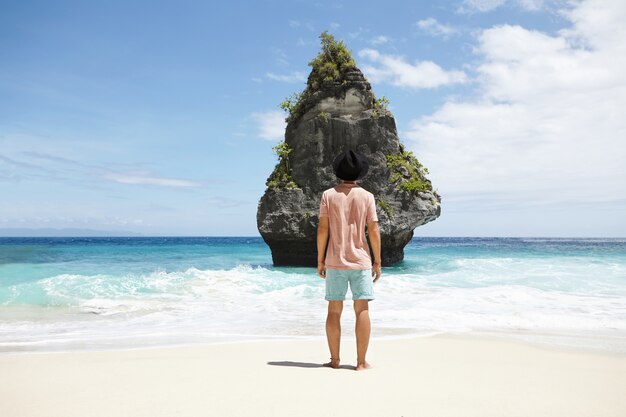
(348, 207)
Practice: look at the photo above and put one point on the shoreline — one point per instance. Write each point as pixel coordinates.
(440, 375)
(532, 339)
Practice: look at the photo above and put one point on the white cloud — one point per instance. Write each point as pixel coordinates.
(433, 28)
(482, 6)
(294, 77)
(225, 202)
(530, 4)
(547, 125)
(145, 178)
(357, 33)
(302, 42)
(395, 70)
(281, 56)
(271, 124)
(118, 221)
(61, 165)
(379, 40)
(298, 23)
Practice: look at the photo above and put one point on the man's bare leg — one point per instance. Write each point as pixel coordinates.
(333, 331)
(362, 330)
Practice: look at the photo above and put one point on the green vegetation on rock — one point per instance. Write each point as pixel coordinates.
(327, 67)
(323, 116)
(291, 103)
(334, 59)
(380, 105)
(281, 176)
(390, 211)
(407, 172)
(381, 102)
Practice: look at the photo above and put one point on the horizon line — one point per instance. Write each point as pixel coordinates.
(140, 236)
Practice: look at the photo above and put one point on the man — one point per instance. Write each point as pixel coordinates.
(344, 211)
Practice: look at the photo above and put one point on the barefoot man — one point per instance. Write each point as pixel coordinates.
(344, 211)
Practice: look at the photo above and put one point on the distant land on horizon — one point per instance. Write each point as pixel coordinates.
(76, 232)
(65, 232)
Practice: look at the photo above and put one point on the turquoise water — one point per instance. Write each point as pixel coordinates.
(93, 293)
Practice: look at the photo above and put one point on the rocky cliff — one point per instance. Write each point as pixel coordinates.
(339, 111)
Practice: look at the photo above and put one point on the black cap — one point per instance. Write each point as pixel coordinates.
(350, 165)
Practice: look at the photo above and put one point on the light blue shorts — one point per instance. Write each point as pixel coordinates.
(361, 284)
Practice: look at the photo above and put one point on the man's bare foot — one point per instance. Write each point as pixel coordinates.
(334, 363)
(363, 366)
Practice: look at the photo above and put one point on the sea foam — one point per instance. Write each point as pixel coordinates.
(256, 302)
(61, 294)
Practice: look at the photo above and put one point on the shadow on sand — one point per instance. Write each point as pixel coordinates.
(308, 365)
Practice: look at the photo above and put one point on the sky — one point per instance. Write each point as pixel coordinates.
(159, 118)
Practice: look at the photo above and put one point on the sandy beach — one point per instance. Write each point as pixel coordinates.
(427, 376)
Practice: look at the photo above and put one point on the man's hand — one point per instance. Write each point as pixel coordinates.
(376, 271)
(321, 270)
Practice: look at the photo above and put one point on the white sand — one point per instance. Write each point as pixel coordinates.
(432, 376)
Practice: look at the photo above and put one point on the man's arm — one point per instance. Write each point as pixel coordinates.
(322, 241)
(374, 234)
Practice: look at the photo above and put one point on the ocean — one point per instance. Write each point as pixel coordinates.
(70, 294)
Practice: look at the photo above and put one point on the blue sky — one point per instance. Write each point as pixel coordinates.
(160, 117)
